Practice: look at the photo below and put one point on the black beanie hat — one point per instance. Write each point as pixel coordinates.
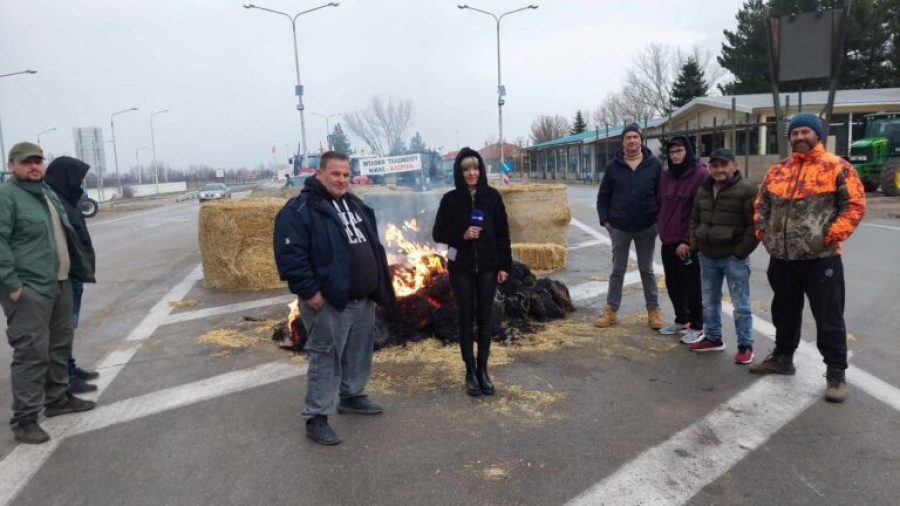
(633, 127)
(807, 119)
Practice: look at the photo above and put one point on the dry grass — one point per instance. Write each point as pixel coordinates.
(540, 257)
(538, 213)
(243, 335)
(183, 303)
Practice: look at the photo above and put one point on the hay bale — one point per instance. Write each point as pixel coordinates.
(538, 213)
(236, 243)
(540, 257)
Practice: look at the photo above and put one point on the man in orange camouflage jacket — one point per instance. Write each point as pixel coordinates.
(806, 206)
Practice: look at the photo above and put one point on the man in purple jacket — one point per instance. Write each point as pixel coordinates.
(678, 188)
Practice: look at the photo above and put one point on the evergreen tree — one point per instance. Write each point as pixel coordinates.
(871, 47)
(339, 140)
(398, 147)
(416, 143)
(579, 125)
(690, 84)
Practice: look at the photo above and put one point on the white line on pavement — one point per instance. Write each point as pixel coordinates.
(231, 308)
(888, 227)
(24, 461)
(588, 244)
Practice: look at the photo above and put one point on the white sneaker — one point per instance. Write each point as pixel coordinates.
(692, 336)
(675, 328)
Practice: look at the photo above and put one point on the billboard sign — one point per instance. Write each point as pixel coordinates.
(390, 165)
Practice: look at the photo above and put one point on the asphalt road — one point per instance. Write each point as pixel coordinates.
(623, 417)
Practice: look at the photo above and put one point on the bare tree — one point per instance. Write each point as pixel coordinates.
(383, 124)
(546, 128)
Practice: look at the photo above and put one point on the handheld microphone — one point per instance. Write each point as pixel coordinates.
(476, 219)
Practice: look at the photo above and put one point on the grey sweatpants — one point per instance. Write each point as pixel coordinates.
(644, 245)
(39, 329)
(340, 347)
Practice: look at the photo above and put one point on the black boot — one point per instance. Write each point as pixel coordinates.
(473, 387)
(487, 386)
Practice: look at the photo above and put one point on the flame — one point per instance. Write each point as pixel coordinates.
(294, 313)
(416, 263)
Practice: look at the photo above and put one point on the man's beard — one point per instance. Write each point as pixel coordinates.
(801, 146)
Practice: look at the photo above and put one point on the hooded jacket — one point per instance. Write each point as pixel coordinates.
(678, 188)
(66, 175)
(628, 199)
(722, 223)
(312, 251)
(492, 250)
(807, 204)
(28, 253)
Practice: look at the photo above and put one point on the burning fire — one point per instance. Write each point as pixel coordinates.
(294, 313)
(414, 263)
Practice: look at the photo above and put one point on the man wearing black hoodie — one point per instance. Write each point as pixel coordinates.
(628, 204)
(66, 176)
(677, 192)
(327, 249)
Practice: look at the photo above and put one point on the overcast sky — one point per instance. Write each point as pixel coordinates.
(227, 73)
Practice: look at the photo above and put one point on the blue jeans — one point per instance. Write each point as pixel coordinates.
(737, 272)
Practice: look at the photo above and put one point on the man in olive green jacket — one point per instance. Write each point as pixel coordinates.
(722, 232)
(39, 253)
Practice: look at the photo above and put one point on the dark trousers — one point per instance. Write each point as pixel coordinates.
(683, 285)
(474, 304)
(39, 329)
(822, 281)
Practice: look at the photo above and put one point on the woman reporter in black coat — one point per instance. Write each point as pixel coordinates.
(471, 221)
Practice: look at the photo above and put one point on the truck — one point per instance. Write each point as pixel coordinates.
(876, 156)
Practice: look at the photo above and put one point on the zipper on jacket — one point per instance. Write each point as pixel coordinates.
(474, 248)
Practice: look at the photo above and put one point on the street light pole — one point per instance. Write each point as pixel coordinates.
(2, 144)
(501, 91)
(42, 133)
(153, 143)
(327, 127)
(137, 163)
(298, 89)
(112, 126)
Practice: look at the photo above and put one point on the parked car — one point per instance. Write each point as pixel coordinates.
(214, 191)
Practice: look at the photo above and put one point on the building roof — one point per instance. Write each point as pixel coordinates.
(593, 135)
(757, 101)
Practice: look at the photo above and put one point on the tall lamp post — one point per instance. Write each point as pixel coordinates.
(298, 89)
(112, 126)
(2, 144)
(327, 127)
(42, 133)
(153, 143)
(137, 163)
(501, 91)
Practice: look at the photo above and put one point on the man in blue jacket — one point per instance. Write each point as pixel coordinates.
(40, 256)
(628, 204)
(327, 249)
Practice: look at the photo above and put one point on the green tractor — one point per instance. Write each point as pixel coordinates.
(877, 155)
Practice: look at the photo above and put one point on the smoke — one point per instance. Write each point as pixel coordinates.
(400, 207)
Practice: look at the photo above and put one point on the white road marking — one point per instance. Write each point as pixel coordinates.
(874, 225)
(231, 308)
(679, 468)
(17, 469)
(588, 244)
(594, 289)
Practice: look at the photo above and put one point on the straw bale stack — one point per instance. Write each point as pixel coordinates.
(540, 257)
(236, 243)
(538, 213)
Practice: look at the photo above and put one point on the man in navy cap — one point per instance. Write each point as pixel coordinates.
(807, 205)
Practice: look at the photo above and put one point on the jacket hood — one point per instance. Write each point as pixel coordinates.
(458, 178)
(690, 157)
(66, 175)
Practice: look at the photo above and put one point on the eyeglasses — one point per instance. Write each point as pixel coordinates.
(677, 151)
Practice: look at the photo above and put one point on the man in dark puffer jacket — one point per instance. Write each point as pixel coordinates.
(722, 231)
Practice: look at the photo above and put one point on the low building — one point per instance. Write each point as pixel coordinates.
(743, 123)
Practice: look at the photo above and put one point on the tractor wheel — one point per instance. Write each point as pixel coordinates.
(890, 178)
(869, 185)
